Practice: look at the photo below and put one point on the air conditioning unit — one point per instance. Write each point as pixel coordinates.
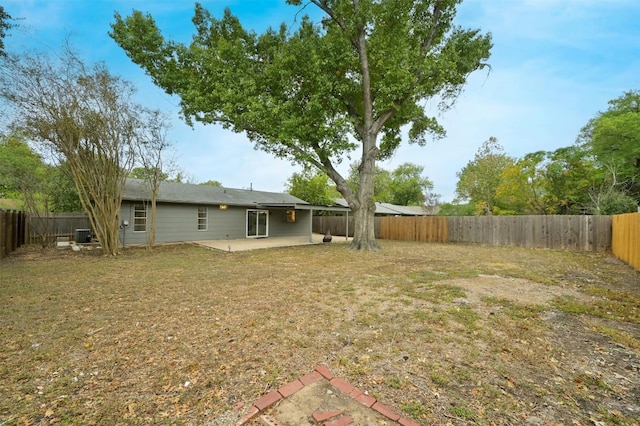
(83, 236)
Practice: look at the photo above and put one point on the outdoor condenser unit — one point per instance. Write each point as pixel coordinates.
(83, 235)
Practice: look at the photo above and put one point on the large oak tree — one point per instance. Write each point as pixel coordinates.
(320, 92)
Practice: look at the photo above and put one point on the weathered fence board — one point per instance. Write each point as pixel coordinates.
(415, 228)
(55, 225)
(12, 231)
(625, 238)
(586, 233)
(337, 225)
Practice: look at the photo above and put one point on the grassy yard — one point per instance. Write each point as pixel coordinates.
(446, 334)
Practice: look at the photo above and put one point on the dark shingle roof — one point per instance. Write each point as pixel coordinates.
(173, 192)
(396, 210)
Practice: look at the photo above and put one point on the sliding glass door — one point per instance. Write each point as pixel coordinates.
(257, 223)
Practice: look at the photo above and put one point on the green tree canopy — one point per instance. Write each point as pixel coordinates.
(613, 137)
(404, 186)
(479, 180)
(545, 182)
(312, 187)
(40, 187)
(5, 25)
(315, 93)
(410, 188)
(211, 183)
(143, 173)
(23, 173)
(456, 209)
(64, 195)
(381, 183)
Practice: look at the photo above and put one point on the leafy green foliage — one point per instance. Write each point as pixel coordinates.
(409, 188)
(40, 187)
(479, 180)
(63, 192)
(549, 182)
(613, 136)
(23, 174)
(4, 26)
(616, 202)
(316, 93)
(211, 183)
(404, 186)
(312, 187)
(381, 183)
(144, 173)
(456, 209)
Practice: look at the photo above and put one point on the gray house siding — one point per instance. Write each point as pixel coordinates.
(280, 227)
(179, 222)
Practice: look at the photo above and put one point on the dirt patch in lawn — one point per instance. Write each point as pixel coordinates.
(516, 290)
(442, 334)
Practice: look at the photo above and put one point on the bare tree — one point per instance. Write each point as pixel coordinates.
(153, 148)
(87, 117)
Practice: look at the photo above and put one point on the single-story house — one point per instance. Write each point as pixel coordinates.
(188, 212)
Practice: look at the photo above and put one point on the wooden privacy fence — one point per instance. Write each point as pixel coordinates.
(625, 238)
(337, 225)
(429, 229)
(19, 228)
(54, 225)
(587, 233)
(12, 231)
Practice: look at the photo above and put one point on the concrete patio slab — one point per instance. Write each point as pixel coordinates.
(243, 244)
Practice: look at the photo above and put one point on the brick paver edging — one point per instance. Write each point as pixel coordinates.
(321, 372)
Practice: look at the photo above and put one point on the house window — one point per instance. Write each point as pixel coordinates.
(202, 218)
(139, 218)
(257, 223)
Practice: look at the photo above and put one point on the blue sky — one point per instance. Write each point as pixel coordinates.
(554, 65)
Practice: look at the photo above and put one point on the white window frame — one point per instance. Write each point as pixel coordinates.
(202, 220)
(139, 220)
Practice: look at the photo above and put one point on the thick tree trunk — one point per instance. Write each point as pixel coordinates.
(364, 236)
(364, 208)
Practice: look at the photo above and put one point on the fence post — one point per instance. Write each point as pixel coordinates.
(3, 234)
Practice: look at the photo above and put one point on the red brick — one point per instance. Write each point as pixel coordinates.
(253, 411)
(355, 393)
(267, 400)
(326, 373)
(310, 378)
(367, 400)
(385, 411)
(342, 385)
(290, 388)
(342, 421)
(321, 416)
(408, 422)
